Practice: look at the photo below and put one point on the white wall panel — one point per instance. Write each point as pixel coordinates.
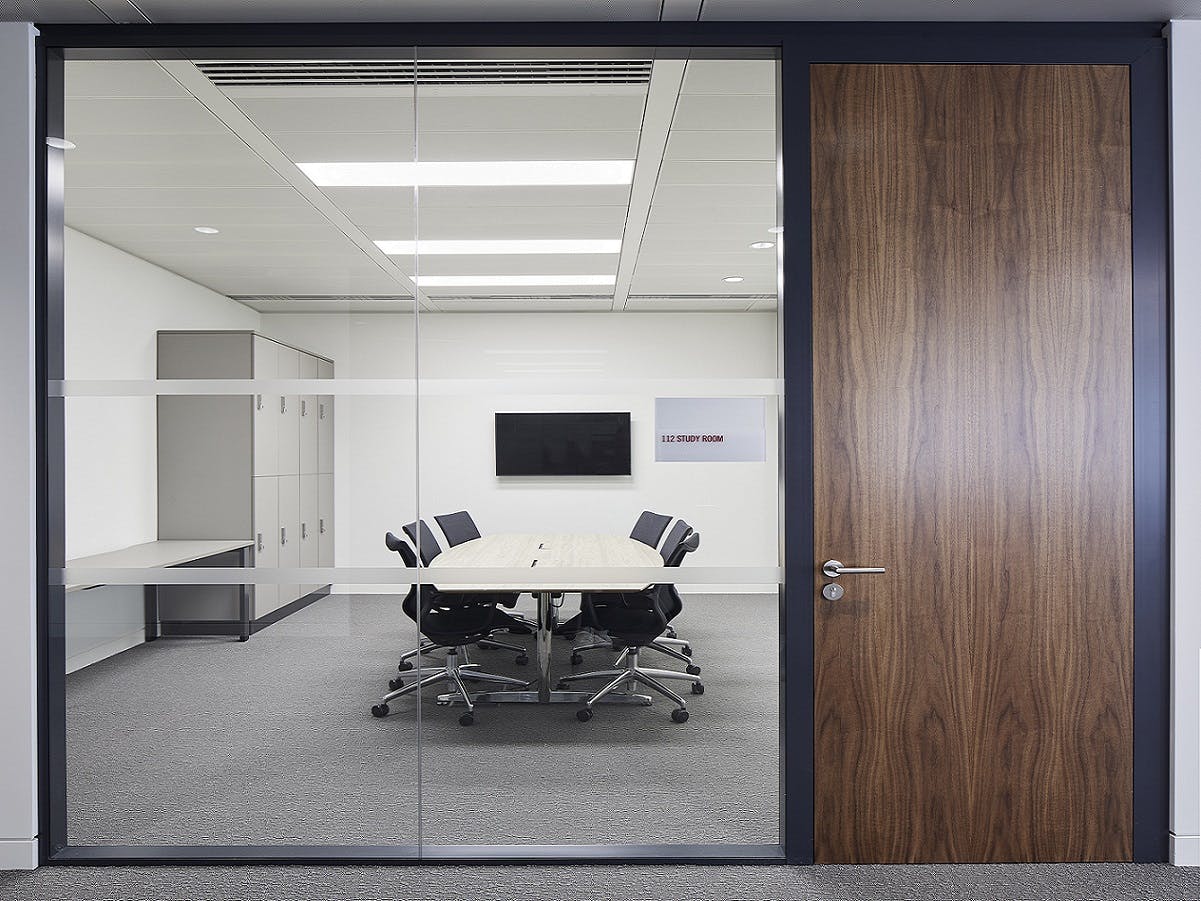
(1186, 440)
(18, 749)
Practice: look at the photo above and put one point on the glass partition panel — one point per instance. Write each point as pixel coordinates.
(599, 395)
(240, 421)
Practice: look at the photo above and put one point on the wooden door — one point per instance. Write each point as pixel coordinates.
(973, 435)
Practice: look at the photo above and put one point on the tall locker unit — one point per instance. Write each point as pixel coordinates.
(233, 467)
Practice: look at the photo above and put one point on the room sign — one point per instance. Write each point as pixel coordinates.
(710, 430)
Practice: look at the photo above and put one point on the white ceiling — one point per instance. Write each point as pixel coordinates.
(161, 149)
(180, 11)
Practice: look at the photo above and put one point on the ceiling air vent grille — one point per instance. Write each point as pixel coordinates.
(390, 73)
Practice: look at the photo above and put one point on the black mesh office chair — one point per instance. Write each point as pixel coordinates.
(429, 550)
(635, 620)
(649, 528)
(674, 548)
(448, 620)
(457, 527)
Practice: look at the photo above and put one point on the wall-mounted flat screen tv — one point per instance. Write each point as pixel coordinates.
(562, 444)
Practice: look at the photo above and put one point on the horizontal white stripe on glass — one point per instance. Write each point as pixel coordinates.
(552, 384)
(515, 578)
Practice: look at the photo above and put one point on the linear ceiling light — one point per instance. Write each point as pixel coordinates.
(508, 172)
(553, 245)
(511, 281)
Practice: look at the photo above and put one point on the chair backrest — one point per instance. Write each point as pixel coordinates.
(687, 546)
(428, 545)
(400, 546)
(649, 528)
(678, 533)
(457, 527)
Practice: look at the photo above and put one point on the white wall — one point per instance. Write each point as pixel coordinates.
(114, 303)
(734, 505)
(18, 642)
(1186, 440)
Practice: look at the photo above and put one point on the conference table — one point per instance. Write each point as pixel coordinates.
(533, 552)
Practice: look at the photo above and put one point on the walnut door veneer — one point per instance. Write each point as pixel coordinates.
(972, 309)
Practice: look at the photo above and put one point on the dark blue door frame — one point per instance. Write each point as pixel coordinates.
(798, 45)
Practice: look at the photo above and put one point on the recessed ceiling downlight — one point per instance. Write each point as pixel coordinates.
(733, 279)
(60, 143)
(207, 230)
(776, 230)
(762, 245)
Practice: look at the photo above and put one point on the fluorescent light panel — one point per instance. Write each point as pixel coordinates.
(511, 281)
(445, 174)
(516, 246)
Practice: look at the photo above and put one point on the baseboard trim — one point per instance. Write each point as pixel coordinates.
(1185, 850)
(107, 649)
(18, 854)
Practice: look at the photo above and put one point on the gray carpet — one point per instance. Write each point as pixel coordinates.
(1062, 882)
(210, 741)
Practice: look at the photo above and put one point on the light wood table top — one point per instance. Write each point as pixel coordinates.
(530, 551)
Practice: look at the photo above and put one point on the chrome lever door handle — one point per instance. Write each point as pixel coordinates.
(832, 569)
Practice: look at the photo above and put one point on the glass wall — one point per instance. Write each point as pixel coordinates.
(312, 302)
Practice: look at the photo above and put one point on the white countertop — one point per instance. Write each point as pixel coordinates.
(154, 554)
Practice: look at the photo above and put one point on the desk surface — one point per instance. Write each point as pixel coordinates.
(548, 550)
(154, 554)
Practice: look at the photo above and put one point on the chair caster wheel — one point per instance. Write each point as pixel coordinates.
(396, 683)
(380, 711)
(692, 669)
(698, 688)
(686, 650)
(671, 632)
(404, 666)
(584, 714)
(679, 715)
(467, 719)
(577, 659)
(522, 660)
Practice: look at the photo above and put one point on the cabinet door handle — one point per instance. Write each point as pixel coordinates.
(283, 405)
(304, 530)
(321, 526)
(283, 535)
(260, 542)
(303, 409)
(320, 411)
(258, 401)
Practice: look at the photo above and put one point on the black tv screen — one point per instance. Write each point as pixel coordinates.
(562, 444)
